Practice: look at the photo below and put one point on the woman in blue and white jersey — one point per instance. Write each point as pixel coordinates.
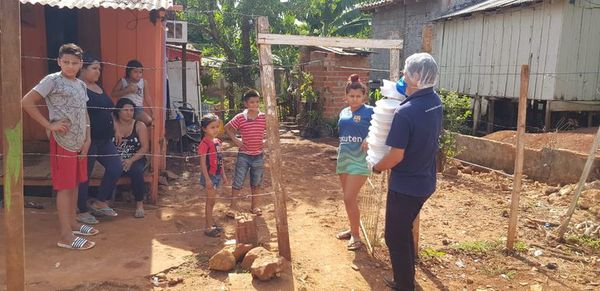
(352, 165)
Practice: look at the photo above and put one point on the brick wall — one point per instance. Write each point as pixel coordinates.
(330, 80)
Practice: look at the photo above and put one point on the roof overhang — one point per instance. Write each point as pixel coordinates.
(488, 6)
(114, 4)
(370, 7)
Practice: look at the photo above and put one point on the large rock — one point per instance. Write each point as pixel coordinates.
(222, 261)
(567, 189)
(266, 267)
(451, 172)
(253, 254)
(549, 190)
(241, 250)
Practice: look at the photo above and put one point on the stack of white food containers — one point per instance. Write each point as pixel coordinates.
(381, 122)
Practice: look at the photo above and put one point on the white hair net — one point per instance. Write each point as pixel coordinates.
(422, 69)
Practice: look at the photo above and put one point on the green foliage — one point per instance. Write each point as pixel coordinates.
(333, 18)
(307, 92)
(592, 243)
(520, 246)
(496, 270)
(209, 77)
(430, 253)
(478, 247)
(481, 247)
(457, 109)
(311, 115)
(226, 28)
(375, 95)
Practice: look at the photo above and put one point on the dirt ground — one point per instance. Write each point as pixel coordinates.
(579, 140)
(463, 228)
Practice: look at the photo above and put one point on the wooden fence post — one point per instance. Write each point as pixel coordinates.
(12, 123)
(184, 72)
(267, 81)
(491, 114)
(518, 173)
(584, 175)
(427, 47)
(394, 65)
(476, 113)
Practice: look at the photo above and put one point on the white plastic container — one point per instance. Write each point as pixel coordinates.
(381, 121)
(389, 105)
(389, 90)
(383, 125)
(378, 133)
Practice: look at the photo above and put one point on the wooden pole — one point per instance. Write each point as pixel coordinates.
(427, 47)
(184, 72)
(342, 42)
(518, 173)
(12, 150)
(267, 82)
(395, 64)
(584, 176)
(491, 114)
(548, 117)
(476, 113)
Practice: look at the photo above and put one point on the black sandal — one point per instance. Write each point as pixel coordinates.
(212, 232)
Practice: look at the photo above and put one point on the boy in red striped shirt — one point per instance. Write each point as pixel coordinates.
(251, 125)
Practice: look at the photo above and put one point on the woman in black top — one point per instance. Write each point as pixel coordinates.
(102, 148)
(132, 144)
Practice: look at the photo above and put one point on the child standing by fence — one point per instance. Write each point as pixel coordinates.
(351, 163)
(251, 124)
(69, 134)
(213, 173)
(133, 87)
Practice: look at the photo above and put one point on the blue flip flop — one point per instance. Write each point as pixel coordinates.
(104, 211)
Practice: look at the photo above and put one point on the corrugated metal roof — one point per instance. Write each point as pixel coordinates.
(489, 5)
(116, 4)
(377, 4)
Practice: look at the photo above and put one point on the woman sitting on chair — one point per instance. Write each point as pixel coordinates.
(131, 139)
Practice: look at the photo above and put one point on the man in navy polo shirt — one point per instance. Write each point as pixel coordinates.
(414, 139)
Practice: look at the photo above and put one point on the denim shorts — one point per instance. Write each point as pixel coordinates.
(215, 179)
(248, 164)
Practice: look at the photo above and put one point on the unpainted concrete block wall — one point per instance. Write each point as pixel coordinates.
(545, 165)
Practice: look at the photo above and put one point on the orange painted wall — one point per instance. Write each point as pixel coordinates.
(33, 43)
(126, 35)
